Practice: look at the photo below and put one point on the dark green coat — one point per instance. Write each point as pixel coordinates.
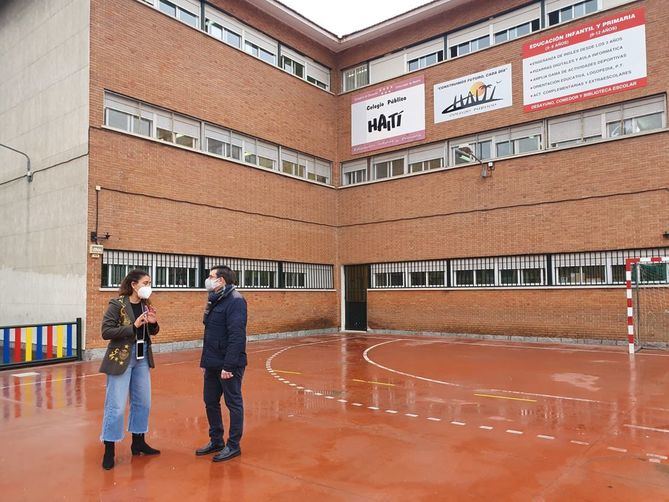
(118, 328)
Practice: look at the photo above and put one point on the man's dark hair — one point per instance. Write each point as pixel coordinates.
(227, 273)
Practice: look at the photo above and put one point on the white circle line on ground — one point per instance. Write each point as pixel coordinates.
(367, 358)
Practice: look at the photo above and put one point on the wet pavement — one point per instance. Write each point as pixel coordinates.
(354, 417)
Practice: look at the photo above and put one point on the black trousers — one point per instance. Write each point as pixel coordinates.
(231, 390)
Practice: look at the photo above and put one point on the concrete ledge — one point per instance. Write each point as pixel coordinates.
(510, 338)
(159, 348)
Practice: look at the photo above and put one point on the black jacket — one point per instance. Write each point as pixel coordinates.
(117, 326)
(224, 344)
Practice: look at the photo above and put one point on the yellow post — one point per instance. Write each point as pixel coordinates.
(59, 341)
(29, 344)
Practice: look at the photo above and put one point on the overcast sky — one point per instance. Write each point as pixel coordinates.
(345, 16)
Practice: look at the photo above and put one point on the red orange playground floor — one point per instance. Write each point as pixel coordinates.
(355, 417)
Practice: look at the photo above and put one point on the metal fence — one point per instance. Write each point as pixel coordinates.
(39, 344)
(598, 268)
(190, 271)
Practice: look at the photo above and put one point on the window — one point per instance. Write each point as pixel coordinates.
(575, 129)
(470, 46)
(356, 77)
(424, 158)
(480, 147)
(292, 164)
(572, 12)
(268, 155)
(182, 14)
(389, 279)
(635, 117)
(224, 34)
(293, 67)
(294, 279)
(321, 171)
(354, 172)
(260, 53)
(258, 279)
(425, 61)
(388, 168)
(318, 83)
(175, 277)
(127, 122)
(517, 31)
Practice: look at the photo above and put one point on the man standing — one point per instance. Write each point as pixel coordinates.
(223, 361)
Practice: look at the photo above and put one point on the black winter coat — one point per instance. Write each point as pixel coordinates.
(224, 344)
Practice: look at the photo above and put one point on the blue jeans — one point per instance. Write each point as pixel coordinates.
(136, 381)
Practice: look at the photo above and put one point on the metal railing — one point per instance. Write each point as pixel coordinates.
(39, 344)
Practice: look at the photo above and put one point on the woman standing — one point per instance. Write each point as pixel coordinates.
(128, 324)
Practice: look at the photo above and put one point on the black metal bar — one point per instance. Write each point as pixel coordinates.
(80, 353)
(32, 364)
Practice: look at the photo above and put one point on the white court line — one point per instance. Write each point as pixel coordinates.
(329, 397)
(454, 422)
(655, 455)
(510, 345)
(643, 427)
(317, 394)
(342, 400)
(486, 427)
(412, 415)
(308, 390)
(391, 411)
(512, 431)
(434, 419)
(543, 436)
(373, 408)
(23, 375)
(365, 354)
(620, 450)
(357, 404)
(582, 443)
(654, 460)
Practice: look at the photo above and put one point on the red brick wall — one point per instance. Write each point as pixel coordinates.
(569, 313)
(142, 53)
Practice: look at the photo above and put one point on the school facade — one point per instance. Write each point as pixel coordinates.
(468, 167)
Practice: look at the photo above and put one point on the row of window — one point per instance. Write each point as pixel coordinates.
(139, 118)
(573, 269)
(497, 30)
(603, 123)
(240, 36)
(187, 271)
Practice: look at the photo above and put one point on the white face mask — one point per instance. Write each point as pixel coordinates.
(144, 292)
(211, 284)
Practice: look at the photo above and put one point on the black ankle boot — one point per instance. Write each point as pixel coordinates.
(139, 446)
(108, 459)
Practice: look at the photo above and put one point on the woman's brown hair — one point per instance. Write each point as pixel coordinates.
(125, 289)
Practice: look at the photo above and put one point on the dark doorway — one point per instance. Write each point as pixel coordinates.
(356, 278)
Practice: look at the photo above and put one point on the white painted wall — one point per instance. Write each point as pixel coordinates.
(44, 78)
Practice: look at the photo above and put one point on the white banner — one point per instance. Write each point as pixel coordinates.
(389, 115)
(605, 56)
(477, 93)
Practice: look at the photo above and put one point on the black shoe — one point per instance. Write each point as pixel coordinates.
(210, 448)
(139, 446)
(108, 459)
(226, 454)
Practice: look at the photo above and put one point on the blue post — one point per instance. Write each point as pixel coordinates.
(5, 346)
(39, 354)
(69, 340)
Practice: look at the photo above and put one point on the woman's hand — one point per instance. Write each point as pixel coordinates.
(151, 316)
(141, 321)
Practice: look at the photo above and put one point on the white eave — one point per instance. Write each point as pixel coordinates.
(336, 44)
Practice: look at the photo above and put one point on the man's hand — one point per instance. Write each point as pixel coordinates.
(226, 375)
